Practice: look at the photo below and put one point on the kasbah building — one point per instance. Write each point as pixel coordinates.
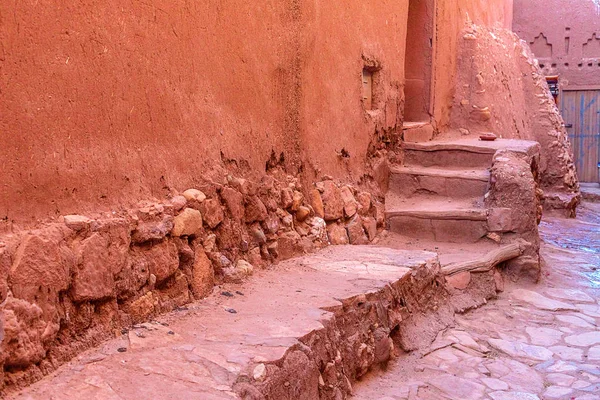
(293, 199)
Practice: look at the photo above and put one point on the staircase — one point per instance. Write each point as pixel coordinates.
(438, 193)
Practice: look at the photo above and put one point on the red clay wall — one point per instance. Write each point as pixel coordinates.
(564, 36)
(451, 18)
(118, 101)
(114, 102)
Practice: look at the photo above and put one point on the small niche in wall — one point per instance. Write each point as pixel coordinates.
(367, 88)
(371, 76)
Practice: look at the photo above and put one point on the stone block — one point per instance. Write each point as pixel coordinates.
(212, 212)
(333, 205)
(93, 277)
(234, 201)
(188, 223)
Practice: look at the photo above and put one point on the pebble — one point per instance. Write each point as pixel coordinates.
(260, 372)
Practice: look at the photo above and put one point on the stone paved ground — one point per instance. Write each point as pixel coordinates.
(535, 342)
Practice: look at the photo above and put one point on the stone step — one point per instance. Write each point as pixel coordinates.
(437, 218)
(307, 328)
(408, 181)
(462, 153)
(417, 131)
(439, 154)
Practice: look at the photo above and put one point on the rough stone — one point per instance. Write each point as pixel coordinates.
(212, 212)
(24, 333)
(257, 234)
(210, 243)
(364, 203)
(350, 204)
(175, 292)
(287, 198)
(147, 231)
(194, 195)
(370, 227)
(142, 308)
(459, 281)
(356, 233)
(272, 224)
(333, 205)
(302, 213)
(93, 278)
(178, 202)
(40, 270)
(188, 223)
(288, 245)
(318, 229)
(500, 220)
(203, 275)
(316, 203)
(337, 234)
(260, 373)
(234, 201)
(161, 260)
(297, 200)
(255, 210)
(77, 222)
(239, 272)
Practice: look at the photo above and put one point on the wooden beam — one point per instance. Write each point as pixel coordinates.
(486, 262)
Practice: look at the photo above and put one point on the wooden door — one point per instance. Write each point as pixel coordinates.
(581, 111)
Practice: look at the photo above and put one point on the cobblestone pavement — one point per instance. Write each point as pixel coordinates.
(533, 342)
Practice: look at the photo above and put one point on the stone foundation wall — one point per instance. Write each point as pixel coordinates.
(70, 284)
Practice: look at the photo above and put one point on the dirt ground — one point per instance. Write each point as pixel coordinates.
(537, 342)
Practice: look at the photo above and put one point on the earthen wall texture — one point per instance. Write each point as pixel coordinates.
(118, 101)
(503, 91)
(451, 17)
(564, 36)
(114, 102)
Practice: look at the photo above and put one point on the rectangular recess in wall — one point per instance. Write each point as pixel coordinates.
(367, 88)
